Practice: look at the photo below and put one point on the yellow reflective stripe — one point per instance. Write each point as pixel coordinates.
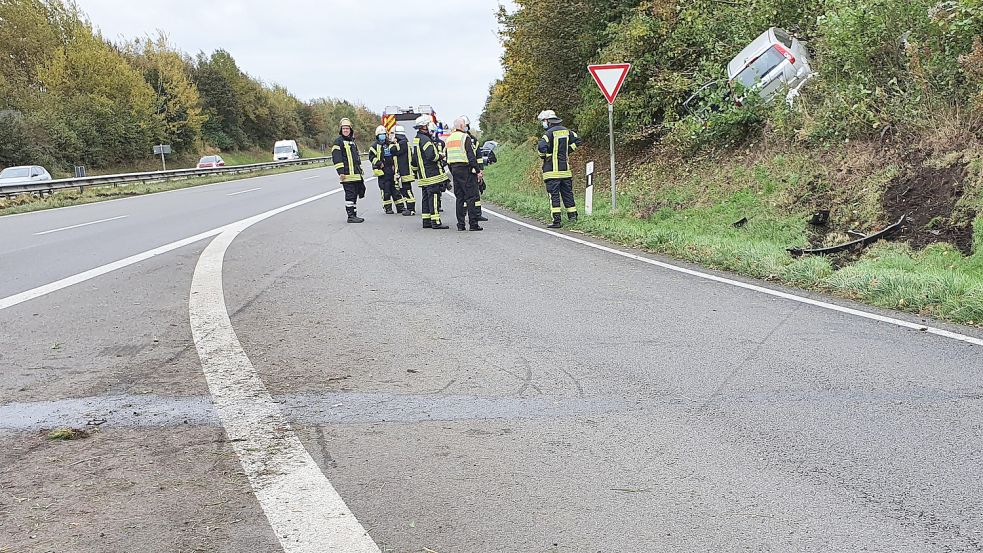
(478, 203)
(555, 210)
(335, 148)
(339, 165)
(571, 210)
(558, 175)
(351, 164)
(378, 172)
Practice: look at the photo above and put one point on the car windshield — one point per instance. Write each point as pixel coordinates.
(207, 159)
(15, 172)
(283, 149)
(761, 66)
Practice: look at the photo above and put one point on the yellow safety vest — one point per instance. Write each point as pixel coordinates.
(455, 148)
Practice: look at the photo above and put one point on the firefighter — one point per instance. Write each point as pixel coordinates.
(555, 148)
(401, 150)
(442, 152)
(383, 166)
(481, 169)
(465, 170)
(346, 160)
(430, 174)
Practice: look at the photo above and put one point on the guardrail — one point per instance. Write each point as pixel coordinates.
(151, 176)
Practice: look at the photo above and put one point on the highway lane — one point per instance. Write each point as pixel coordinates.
(45, 246)
(684, 414)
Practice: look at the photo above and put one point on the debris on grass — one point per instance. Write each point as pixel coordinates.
(67, 434)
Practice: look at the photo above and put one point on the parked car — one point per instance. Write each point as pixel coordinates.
(209, 162)
(24, 174)
(285, 150)
(774, 62)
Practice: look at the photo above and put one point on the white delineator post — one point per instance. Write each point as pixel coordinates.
(589, 191)
(609, 78)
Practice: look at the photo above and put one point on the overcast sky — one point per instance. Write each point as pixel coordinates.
(395, 52)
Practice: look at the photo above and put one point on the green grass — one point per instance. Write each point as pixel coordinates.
(25, 203)
(690, 215)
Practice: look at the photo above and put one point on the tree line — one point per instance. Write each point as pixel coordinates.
(886, 67)
(70, 97)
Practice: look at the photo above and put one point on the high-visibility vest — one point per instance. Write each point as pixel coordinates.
(455, 148)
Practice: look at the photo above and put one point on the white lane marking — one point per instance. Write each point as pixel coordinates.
(244, 191)
(761, 289)
(309, 178)
(304, 509)
(81, 225)
(33, 293)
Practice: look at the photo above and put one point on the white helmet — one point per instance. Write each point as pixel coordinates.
(399, 130)
(462, 123)
(381, 130)
(422, 122)
(547, 114)
(432, 127)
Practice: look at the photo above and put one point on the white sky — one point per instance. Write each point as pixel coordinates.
(444, 53)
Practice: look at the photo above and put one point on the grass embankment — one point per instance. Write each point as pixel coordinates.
(687, 209)
(26, 202)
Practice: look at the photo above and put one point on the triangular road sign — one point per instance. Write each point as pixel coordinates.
(610, 77)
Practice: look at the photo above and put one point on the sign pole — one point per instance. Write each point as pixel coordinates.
(162, 162)
(614, 195)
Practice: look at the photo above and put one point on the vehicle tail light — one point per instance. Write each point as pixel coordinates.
(784, 52)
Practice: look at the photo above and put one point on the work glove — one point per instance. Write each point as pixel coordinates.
(361, 189)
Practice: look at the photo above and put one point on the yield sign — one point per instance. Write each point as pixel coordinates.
(610, 77)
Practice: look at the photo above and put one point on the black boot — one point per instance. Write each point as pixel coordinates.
(437, 225)
(572, 217)
(460, 226)
(389, 210)
(475, 227)
(481, 219)
(427, 223)
(409, 213)
(557, 223)
(352, 217)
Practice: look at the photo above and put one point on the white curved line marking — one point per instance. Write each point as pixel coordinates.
(305, 511)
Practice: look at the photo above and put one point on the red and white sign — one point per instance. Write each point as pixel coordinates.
(610, 77)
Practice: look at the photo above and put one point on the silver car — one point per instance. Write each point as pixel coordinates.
(25, 174)
(772, 63)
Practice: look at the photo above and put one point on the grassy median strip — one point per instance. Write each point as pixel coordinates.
(24, 203)
(693, 219)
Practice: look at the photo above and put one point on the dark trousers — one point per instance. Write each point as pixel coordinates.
(406, 191)
(561, 190)
(466, 193)
(429, 203)
(352, 190)
(390, 195)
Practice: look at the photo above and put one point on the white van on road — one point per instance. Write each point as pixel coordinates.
(285, 150)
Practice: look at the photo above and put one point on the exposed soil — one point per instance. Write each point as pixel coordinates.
(927, 196)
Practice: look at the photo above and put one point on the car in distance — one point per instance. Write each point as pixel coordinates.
(210, 162)
(773, 62)
(285, 150)
(24, 174)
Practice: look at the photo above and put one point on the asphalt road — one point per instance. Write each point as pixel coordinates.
(497, 391)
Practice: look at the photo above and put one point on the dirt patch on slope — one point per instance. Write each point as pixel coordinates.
(928, 197)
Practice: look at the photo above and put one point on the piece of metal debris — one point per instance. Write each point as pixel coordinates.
(854, 244)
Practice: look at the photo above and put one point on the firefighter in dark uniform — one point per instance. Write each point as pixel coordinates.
(401, 150)
(383, 167)
(466, 172)
(344, 154)
(481, 169)
(426, 163)
(555, 148)
(442, 152)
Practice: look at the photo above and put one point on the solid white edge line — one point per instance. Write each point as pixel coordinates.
(39, 291)
(305, 511)
(80, 225)
(245, 191)
(753, 287)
